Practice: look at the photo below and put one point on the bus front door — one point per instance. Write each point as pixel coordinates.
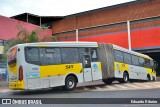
(87, 74)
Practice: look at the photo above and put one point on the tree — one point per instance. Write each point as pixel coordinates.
(25, 36)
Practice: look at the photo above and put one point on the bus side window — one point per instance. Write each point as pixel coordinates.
(141, 61)
(32, 55)
(147, 63)
(151, 63)
(118, 56)
(127, 58)
(52, 56)
(69, 55)
(94, 55)
(135, 60)
(49, 56)
(41, 55)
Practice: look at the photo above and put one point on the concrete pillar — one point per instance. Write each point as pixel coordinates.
(129, 35)
(76, 35)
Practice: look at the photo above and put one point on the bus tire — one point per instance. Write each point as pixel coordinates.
(148, 78)
(70, 83)
(154, 79)
(125, 78)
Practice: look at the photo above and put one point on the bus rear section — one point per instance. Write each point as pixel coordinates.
(15, 71)
(124, 65)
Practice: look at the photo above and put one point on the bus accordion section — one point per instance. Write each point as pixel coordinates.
(107, 62)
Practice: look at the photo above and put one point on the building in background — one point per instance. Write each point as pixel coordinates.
(9, 29)
(108, 24)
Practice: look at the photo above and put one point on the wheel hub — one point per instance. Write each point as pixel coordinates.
(70, 84)
(125, 78)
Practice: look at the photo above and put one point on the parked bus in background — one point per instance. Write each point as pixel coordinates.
(53, 64)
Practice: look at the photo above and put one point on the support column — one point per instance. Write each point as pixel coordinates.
(27, 17)
(129, 35)
(40, 22)
(76, 35)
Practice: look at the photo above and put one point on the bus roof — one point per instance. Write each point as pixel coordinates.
(61, 44)
(79, 44)
(130, 51)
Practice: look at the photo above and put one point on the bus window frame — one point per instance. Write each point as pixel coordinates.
(144, 65)
(97, 59)
(130, 58)
(122, 55)
(62, 62)
(32, 62)
(50, 52)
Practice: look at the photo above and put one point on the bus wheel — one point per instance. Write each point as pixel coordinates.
(125, 78)
(70, 83)
(148, 78)
(154, 78)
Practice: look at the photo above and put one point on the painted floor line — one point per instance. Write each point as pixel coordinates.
(131, 85)
(121, 86)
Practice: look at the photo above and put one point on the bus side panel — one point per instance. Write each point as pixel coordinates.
(55, 75)
(107, 60)
(51, 75)
(135, 72)
(120, 68)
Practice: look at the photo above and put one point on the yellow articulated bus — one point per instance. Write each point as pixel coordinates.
(53, 64)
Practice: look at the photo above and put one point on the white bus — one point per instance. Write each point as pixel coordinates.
(53, 64)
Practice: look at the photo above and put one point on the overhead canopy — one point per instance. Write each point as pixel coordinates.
(37, 20)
